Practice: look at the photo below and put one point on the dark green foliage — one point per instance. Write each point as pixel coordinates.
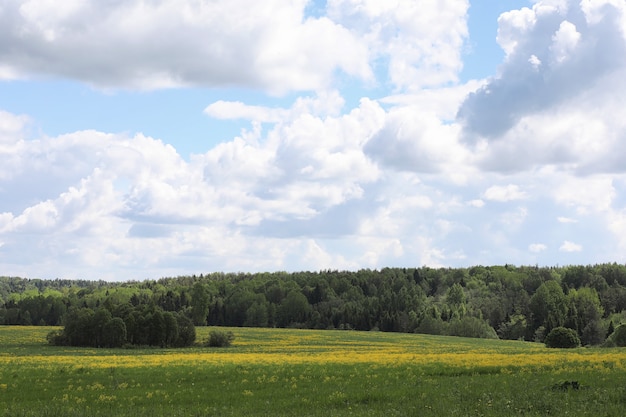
(592, 334)
(294, 309)
(567, 385)
(219, 338)
(562, 337)
(520, 302)
(431, 325)
(471, 327)
(456, 296)
(147, 325)
(199, 304)
(618, 338)
(548, 306)
(611, 329)
(514, 328)
(114, 333)
(186, 332)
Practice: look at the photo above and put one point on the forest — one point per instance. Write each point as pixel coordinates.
(506, 302)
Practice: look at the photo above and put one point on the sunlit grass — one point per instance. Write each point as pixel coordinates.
(306, 372)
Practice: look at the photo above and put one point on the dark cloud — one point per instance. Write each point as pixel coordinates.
(525, 88)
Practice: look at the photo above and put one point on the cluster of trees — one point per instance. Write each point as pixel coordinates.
(146, 325)
(507, 301)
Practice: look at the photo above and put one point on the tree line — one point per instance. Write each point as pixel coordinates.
(509, 302)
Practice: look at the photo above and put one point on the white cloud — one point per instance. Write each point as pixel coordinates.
(564, 41)
(537, 247)
(586, 194)
(414, 141)
(562, 219)
(568, 246)
(390, 182)
(476, 203)
(420, 43)
(271, 45)
(504, 193)
(534, 61)
(11, 128)
(146, 45)
(576, 54)
(238, 110)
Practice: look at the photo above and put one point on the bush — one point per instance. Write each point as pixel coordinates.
(562, 337)
(219, 338)
(56, 338)
(471, 327)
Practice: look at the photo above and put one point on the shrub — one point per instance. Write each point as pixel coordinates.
(472, 327)
(56, 338)
(219, 338)
(562, 337)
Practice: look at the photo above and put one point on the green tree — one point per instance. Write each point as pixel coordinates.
(257, 315)
(585, 312)
(199, 304)
(294, 309)
(171, 328)
(186, 331)
(79, 329)
(114, 333)
(157, 329)
(101, 317)
(619, 336)
(548, 306)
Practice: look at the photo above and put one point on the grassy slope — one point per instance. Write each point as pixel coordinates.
(308, 373)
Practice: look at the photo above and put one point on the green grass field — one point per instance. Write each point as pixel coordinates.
(276, 372)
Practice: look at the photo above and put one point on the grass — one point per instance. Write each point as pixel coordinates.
(276, 372)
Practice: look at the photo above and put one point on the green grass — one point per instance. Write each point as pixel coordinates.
(309, 373)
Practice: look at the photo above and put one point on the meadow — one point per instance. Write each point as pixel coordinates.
(280, 372)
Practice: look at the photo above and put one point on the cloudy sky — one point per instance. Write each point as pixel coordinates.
(150, 138)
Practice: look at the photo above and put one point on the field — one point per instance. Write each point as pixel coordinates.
(275, 372)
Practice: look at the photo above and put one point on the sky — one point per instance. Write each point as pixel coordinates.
(142, 139)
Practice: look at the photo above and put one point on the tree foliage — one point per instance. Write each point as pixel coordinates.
(562, 337)
(147, 326)
(519, 302)
(618, 337)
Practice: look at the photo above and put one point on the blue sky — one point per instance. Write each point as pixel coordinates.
(149, 139)
(175, 115)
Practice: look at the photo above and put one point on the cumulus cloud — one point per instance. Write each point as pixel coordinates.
(555, 51)
(117, 191)
(147, 45)
(414, 141)
(272, 45)
(395, 181)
